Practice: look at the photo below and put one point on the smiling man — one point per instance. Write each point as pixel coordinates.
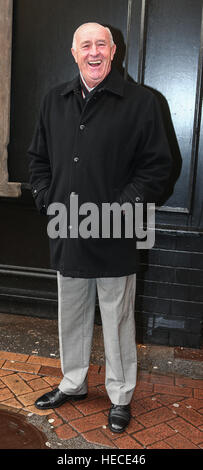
(93, 50)
(100, 138)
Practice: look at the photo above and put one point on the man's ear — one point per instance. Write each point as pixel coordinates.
(113, 51)
(74, 54)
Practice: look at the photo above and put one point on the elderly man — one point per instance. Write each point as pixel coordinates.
(99, 138)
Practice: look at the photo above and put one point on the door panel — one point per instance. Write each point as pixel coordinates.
(173, 40)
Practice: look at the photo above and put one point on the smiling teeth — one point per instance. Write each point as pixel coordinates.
(95, 62)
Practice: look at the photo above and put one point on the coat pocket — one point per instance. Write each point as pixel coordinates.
(47, 197)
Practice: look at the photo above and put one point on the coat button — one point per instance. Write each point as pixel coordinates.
(82, 126)
(76, 159)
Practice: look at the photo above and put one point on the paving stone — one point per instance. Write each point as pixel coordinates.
(95, 376)
(93, 406)
(14, 403)
(10, 356)
(38, 384)
(16, 384)
(50, 371)
(187, 430)
(142, 394)
(102, 390)
(180, 442)
(155, 378)
(94, 393)
(194, 383)
(127, 442)
(151, 435)
(65, 432)
(44, 361)
(159, 445)
(133, 426)
(88, 423)
(173, 390)
(143, 390)
(2, 385)
(193, 402)
(97, 437)
(30, 398)
(112, 435)
(149, 403)
(53, 381)
(57, 421)
(34, 410)
(68, 412)
(155, 417)
(169, 399)
(190, 415)
(5, 372)
(7, 408)
(20, 366)
(27, 377)
(136, 409)
(5, 394)
(96, 369)
(198, 394)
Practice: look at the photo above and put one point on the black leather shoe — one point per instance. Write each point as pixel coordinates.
(119, 417)
(55, 399)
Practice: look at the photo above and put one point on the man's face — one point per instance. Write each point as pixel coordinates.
(93, 53)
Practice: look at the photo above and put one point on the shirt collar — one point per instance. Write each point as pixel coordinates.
(86, 86)
(114, 83)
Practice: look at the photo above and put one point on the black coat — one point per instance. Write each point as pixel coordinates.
(109, 148)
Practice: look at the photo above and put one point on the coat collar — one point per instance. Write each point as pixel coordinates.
(114, 83)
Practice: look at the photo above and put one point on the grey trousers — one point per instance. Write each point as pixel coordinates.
(76, 307)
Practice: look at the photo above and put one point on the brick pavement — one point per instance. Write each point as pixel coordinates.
(167, 410)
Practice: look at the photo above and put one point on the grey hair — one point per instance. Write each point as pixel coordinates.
(74, 35)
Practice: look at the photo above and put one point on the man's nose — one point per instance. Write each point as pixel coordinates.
(94, 49)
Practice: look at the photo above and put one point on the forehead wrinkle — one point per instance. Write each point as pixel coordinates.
(95, 36)
(88, 41)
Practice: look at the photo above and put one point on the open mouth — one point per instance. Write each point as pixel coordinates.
(94, 63)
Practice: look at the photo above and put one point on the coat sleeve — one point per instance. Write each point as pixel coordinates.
(39, 163)
(153, 160)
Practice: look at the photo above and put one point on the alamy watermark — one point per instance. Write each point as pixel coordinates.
(111, 220)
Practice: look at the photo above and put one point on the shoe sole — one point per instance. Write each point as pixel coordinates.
(75, 398)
